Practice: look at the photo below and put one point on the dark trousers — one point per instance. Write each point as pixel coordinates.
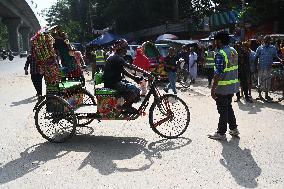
(210, 75)
(37, 82)
(226, 112)
(244, 86)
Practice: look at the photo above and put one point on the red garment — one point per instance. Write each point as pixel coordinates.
(78, 56)
(141, 60)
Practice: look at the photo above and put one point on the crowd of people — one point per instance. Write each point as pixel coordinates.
(255, 58)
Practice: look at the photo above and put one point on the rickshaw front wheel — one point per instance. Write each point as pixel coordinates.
(169, 116)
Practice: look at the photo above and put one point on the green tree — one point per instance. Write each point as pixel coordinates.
(3, 36)
(80, 16)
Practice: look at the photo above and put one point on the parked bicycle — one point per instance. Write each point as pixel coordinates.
(276, 85)
(183, 75)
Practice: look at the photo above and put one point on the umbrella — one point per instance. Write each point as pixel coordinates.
(182, 42)
(166, 36)
(105, 38)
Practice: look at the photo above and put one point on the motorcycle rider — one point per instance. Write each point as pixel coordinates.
(10, 55)
(4, 54)
(113, 77)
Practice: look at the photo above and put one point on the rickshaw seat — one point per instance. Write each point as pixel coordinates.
(64, 85)
(106, 91)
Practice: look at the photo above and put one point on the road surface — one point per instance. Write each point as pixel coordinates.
(122, 154)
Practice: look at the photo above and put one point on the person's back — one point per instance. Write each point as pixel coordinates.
(100, 57)
(113, 70)
(231, 56)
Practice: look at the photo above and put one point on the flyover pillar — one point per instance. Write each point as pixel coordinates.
(13, 27)
(25, 32)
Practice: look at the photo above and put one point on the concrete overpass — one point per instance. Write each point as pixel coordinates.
(20, 18)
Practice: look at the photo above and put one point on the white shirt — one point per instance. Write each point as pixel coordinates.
(191, 58)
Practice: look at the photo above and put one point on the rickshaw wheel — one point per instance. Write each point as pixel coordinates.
(175, 122)
(55, 119)
(88, 99)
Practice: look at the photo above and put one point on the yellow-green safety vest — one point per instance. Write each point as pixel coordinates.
(229, 83)
(100, 59)
(209, 61)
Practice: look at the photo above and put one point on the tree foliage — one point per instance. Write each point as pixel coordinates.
(80, 16)
(3, 36)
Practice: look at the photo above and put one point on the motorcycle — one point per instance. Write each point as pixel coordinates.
(4, 55)
(11, 56)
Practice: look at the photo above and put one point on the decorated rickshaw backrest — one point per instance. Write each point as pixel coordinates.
(45, 56)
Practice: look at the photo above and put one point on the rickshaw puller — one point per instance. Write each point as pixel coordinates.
(113, 77)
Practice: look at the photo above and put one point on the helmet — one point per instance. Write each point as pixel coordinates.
(120, 44)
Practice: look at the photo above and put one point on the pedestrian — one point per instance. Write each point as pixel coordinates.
(253, 74)
(142, 62)
(80, 64)
(225, 84)
(93, 61)
(192, 63)
(100, 59)
(264, 60)
(184, 54)
(243, 71)
(36, 76)
(170, 65)
(209, 64)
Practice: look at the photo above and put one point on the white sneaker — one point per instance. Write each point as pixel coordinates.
(234, 132)
(217, 136)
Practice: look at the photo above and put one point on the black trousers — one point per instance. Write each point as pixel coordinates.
(37, 82)
(226, 112)
(210, 74)
(244, 86)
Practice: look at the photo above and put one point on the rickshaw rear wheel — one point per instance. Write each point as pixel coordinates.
(172, 124)
(55, 119)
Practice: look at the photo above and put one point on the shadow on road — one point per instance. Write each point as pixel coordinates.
(25, 101)
(240, 163)
(256, 106)
(103, 151)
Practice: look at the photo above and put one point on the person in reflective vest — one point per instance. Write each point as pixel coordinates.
(100, 59)
(225, 84)
(209, 64)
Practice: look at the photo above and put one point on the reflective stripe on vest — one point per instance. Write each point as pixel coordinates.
(100, 56)
(210, 59)
(229, 84)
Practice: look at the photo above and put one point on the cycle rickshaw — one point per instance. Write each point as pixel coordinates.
(68, 105)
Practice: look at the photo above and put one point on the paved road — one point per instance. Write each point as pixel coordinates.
(123, 154)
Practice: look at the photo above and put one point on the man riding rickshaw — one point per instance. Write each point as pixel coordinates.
(113, 77)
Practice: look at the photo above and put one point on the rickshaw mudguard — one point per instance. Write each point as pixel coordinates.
(39, 102)
(43, 98)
